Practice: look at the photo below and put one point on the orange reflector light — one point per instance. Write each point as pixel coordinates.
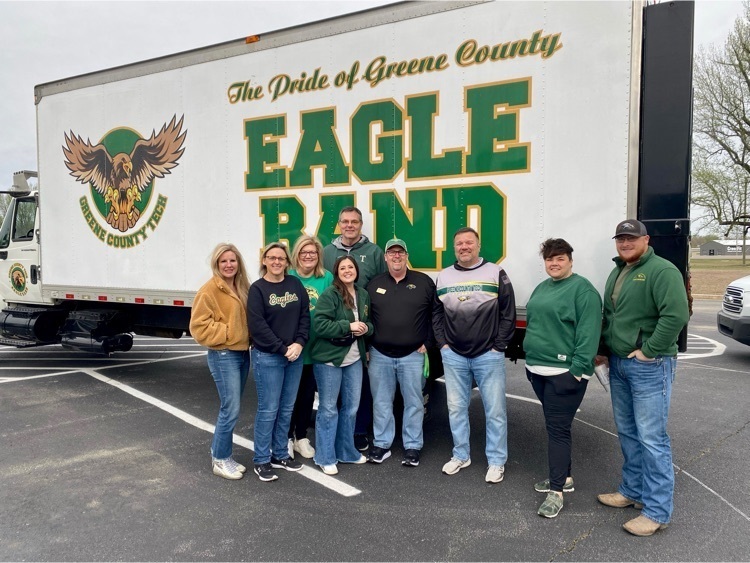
(252, 39)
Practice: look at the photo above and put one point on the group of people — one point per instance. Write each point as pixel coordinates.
(354, 322)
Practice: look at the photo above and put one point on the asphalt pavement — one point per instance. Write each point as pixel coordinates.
(107, 459)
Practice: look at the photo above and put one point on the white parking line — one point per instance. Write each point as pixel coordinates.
(308, 472)
(745, 516)
(15, 379)
(696, 342)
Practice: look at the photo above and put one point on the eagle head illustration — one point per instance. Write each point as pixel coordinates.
(18, 280)
(123, 177)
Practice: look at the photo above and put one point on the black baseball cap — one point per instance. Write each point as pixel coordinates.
(631, 227)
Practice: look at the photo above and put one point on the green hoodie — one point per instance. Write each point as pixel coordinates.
(651, 309)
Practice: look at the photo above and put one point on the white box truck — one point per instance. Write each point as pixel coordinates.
(523, 120)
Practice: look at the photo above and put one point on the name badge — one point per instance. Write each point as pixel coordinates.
(380, 290)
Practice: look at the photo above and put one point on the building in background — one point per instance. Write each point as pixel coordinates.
(722, 248)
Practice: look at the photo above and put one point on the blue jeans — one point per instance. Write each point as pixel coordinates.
(488, 370)
(277, 381)
(229, 368)
(641, 392)
(334, 429)
(385, 372)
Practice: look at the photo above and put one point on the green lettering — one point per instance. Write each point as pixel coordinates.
(319, 147)
(388, 161)
(330, 205)
(263, 169)
(423, 163)
(415, 226)
(283, 219)
(489, 204)
(494, 145)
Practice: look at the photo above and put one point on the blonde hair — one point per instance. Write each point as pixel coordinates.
(241, 279)
(319, 271)
(267, 249)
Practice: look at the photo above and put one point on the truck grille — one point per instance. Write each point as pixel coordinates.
(732, 300)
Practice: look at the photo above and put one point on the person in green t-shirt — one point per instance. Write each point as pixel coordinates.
(564, 322)
(307, 265)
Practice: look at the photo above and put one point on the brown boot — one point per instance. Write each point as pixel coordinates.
(616, 500)
(643, 526)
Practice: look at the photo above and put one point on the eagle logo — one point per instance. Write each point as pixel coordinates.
(18, 277)
(122, 179)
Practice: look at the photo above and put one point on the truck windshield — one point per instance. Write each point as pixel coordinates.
(5, 230)
(25, 213)
(18, 224)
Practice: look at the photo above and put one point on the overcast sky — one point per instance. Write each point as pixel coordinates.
(45, 41)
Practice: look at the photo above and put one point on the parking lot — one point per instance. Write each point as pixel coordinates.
(108, 459)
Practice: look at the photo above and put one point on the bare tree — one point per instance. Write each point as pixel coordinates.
(4, 203)
(720, 189)
(721, 160)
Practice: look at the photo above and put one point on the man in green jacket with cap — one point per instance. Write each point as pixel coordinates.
(645, 308)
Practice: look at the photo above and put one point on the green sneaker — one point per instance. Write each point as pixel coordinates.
(551, 506)
(543, 486)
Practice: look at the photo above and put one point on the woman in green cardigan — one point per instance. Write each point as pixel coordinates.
(342, 319)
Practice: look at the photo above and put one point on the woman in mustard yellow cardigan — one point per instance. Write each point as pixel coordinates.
(219, 322)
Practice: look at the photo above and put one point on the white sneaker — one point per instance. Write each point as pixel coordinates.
(304, 448)
(223, 468)
(329, 469)
(362, 459)
(495, 473)
(241, 468)
(455, 465)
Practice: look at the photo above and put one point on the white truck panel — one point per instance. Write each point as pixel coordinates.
(577, 125)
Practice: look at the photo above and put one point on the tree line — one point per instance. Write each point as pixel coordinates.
(721, 133)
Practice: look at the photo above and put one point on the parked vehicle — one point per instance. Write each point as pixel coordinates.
(524, 120)
(733, 320)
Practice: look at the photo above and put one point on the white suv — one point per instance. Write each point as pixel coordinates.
(734, 318)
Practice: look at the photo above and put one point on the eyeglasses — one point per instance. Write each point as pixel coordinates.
(396, 253)
(354, 222)
(309, 253)
(276, 258)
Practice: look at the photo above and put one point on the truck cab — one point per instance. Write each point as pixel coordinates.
(19, 244)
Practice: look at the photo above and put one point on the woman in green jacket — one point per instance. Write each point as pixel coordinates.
(342, 319)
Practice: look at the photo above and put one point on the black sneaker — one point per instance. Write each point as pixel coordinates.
(289, 464)
(361, 442)
(411, 458)
(378, 455)
(265, 473)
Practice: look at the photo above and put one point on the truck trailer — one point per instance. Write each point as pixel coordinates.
(524, 120)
